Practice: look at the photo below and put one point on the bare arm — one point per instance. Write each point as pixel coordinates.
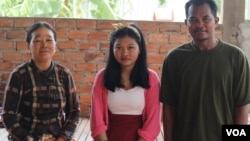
(168, 121)
(241, 114)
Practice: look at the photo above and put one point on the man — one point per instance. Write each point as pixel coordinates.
(205, 83)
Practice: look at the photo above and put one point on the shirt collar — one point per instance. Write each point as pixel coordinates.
(33, 66)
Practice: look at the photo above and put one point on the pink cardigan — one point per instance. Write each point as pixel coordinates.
(151, 112)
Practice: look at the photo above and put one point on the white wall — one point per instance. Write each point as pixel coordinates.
(244, 37)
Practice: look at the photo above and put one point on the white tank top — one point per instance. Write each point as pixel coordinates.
(127, 102)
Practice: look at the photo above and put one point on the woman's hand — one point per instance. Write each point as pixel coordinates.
(60, 138)
(30, 138)
(101, 137)
(141, 139)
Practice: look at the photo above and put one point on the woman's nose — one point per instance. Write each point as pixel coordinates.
(44, 43)
(124, 51)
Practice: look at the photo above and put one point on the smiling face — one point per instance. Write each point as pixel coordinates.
(42, 45)
(126, 51)
(201, 22)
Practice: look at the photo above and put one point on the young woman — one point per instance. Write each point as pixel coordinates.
(40, 97)
(125, 96)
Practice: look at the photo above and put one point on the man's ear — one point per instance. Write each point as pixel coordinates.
(217, 19)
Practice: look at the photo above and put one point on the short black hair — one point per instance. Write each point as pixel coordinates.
(37, 25)
(211, 3)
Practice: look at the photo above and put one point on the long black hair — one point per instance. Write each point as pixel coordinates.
(140, 74)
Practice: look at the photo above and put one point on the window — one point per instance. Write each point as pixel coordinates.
(247, 9)
(148, 10)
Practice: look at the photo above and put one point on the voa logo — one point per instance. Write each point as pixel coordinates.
(236, 132)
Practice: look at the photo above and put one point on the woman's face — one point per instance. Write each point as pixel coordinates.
(42, 45)
(126, 51)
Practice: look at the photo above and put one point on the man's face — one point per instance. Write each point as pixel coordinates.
(201, 22)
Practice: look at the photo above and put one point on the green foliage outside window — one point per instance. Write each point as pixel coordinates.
(104, 9)
(101, 9)
(41, 8)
